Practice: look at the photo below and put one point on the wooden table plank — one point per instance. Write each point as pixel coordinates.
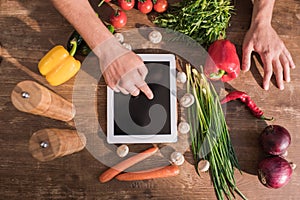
(31, 28)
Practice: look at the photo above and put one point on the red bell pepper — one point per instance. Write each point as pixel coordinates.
(223, 62)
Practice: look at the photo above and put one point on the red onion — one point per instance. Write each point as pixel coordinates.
(274, 172)
(275, 139)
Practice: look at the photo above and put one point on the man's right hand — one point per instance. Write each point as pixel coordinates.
(123, 70)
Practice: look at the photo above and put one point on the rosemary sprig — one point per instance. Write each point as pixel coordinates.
(203, 20)
(210, 136)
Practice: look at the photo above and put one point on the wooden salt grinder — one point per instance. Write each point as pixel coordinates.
(31, 97)
(48, 144)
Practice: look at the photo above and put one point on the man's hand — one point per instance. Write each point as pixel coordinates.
(127, 74)
(274, 55)
(264, 40)
(123, 70)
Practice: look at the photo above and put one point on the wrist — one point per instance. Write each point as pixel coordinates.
(262, 12)
(108, 51)
(258, 24)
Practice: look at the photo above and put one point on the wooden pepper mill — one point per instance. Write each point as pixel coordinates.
(31, 97)
(48, 144)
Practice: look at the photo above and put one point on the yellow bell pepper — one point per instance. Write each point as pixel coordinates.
(58, 65)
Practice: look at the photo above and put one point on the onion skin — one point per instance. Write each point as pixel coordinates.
(274, 172)
(275, 139)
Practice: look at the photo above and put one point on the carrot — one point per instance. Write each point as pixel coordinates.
(171, 170)
(118, 168)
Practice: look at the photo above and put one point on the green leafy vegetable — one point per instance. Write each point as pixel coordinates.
(210, 136)
(203, 20)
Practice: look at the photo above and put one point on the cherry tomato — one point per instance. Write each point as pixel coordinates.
(145, 6)
(118, 19)
(126, 4)
(160, 5)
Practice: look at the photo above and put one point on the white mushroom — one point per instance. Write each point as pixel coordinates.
(181, 77)
(203, 165)
(122, 150)
(183, 127)
(187, 100)
(155, 37)
(177, 158)
(127, 46)
(119, 37)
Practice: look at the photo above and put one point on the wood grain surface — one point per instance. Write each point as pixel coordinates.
(39, 100)
(30, 28)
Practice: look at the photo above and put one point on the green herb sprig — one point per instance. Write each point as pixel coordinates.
(210, 136)
(203, 20)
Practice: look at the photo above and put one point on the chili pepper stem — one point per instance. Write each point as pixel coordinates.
(74, 47)
(218, 74)
(267, 118)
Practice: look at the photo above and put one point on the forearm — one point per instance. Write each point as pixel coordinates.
(84, 19)
(262, 12)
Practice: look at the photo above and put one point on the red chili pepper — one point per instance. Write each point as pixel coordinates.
(223, 62)
(245, 98)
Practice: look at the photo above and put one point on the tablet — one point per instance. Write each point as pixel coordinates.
(140, 120)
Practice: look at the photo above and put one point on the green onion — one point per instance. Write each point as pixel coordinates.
(210, 136)
(203, 20)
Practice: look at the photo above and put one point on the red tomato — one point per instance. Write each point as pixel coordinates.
(160, 5)
(126, 4)
(118, 19)
(145, 6)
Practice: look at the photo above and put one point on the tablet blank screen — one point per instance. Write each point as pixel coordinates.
(129, 109)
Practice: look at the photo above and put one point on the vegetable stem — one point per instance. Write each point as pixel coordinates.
(210, 136)
(74, 47)
(101, 2)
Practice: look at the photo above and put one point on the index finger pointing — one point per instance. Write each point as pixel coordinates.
(146, 90)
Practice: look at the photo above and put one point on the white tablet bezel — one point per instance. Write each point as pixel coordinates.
(155, 138)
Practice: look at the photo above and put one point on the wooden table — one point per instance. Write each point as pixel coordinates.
(31, 28)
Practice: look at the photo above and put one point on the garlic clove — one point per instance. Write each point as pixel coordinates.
(127, 46)
(177, 158)
(181, 77)
(203, 166)
(293, 165)
(285, 154)
(155, 37)
(122, 150)
(183, 127)
(119, 37)
(187, 100)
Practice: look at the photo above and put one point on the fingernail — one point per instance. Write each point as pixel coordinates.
(266, 87)
(245, 67)
(151, 96)
(281, 87)
(136, 93)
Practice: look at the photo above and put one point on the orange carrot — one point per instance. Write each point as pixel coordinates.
(118, 168)
(162, 172)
